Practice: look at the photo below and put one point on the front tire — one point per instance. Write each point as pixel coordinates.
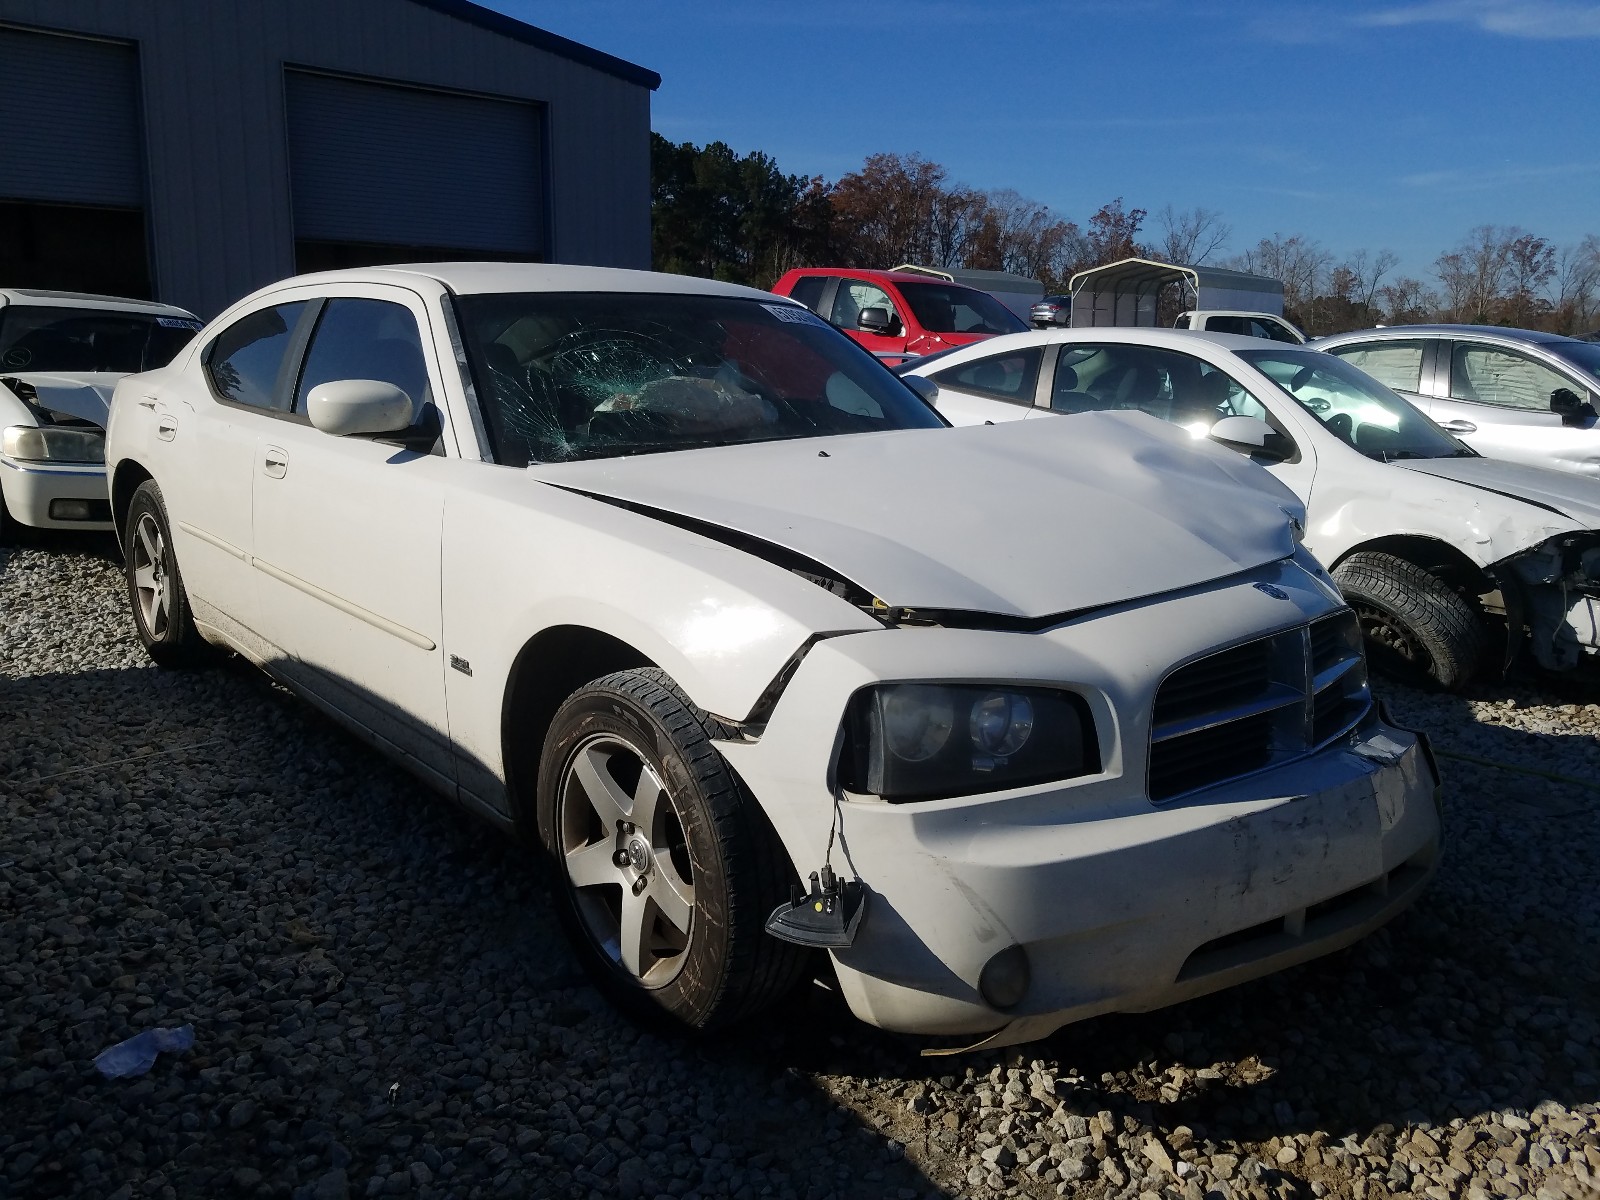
(1416, 627)
(161, 615)
(663, 865)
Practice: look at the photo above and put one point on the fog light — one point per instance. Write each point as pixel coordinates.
(69, 510)
(1005, 978)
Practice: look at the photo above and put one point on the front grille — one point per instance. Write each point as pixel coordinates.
(1255, 705)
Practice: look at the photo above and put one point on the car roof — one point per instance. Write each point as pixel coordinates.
(896, 277)
(477, 278)
(1142, 335)
(50, 298)
(1490, 331)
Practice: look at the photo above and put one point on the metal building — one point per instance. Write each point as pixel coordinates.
(193, 150)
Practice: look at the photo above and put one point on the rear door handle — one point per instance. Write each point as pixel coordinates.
(166, 427)
(1459, 427)
(274, 462)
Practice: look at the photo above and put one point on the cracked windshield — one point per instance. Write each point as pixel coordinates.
(569, 376)
(1353, 406)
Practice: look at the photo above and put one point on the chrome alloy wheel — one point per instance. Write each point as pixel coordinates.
(627, 860)
(151, 583)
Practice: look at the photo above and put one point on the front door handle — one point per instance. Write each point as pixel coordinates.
(166, 427)
(1459, 427)
(274, 462)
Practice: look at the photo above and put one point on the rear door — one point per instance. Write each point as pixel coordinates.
(209, 426)
(994, 388)
(1395, 363)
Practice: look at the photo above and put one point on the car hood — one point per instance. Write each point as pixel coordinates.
(1571, 495)
(1024, 519)
(84, 394)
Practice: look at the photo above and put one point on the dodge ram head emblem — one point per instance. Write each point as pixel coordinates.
(1271, 589)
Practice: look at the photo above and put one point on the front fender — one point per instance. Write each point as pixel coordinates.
(521, 557)
(1483, 526)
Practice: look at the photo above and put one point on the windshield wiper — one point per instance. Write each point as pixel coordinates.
(625, 449)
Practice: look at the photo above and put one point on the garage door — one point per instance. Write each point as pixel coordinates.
(375, 164)
(71, 120)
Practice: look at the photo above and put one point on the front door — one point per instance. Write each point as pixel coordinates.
(1499, 404)
(855, 296)
(348, 535)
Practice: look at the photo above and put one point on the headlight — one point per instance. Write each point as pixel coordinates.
(53, 444)
(919, 741)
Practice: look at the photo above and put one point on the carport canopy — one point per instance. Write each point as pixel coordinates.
(1125, 292)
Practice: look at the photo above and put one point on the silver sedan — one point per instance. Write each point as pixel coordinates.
(1508, 393)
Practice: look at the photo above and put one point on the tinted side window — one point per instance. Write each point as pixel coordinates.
(245, 360)
(366, 339)
(1237, 325)
(1003, 376)
(1273, 330)
(1485, 375)
(1396, 365)
(808, 291)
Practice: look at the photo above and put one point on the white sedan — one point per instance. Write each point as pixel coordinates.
(1438, 549)
(672, 578)
(61, 353)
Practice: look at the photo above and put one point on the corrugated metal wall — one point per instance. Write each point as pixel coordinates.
(216, 143)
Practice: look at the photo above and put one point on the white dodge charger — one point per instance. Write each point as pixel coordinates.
(1021, 724)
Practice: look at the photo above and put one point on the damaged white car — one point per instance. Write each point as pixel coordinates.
(673, 578)
(61, 353)
(1454, 562)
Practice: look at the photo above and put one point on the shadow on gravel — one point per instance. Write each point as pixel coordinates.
(381, 1001)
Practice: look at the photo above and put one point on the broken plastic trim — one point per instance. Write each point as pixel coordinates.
(1537, 609)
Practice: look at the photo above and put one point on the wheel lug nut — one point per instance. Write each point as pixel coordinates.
(639, 885)
(620, 858)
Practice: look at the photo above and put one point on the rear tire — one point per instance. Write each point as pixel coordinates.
(663, 866)
(161, 615)
(1417, 628)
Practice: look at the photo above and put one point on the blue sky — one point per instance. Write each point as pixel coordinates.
(1379, 126)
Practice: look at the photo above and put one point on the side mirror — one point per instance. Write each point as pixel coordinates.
(1572, 408)
(353, 407)
(1251, 435)
(923, 387)
(875, 320)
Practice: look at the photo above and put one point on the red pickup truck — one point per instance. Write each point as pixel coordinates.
(899, 314)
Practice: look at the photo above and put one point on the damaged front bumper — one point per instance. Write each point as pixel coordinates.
(1551, 596)
(1137, 912)
(997, 918)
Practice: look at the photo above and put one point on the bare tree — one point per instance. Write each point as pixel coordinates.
(1298, 262)
(1406, 301)
(1193, 236)
(1366, 274)
(1575, 287)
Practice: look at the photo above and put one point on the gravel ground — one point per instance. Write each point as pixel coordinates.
(382, 1006)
